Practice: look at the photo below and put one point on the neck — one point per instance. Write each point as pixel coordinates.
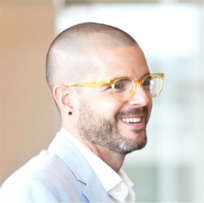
(113, 159)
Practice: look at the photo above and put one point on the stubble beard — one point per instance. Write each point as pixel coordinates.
(100, 131)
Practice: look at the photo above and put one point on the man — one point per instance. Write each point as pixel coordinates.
(103, 89)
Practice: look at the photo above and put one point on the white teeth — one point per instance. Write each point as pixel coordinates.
(127, 120)
(131, 120)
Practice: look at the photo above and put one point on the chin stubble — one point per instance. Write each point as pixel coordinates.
(100, 131)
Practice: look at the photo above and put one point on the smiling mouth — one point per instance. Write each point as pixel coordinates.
(132, 120)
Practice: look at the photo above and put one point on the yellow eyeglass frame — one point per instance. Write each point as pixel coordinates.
(112, 83)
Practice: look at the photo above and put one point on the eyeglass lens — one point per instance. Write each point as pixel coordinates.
(125, 88)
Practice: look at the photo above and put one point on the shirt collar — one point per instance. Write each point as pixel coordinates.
(108, 177)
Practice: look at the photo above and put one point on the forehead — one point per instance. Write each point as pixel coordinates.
(118, 62)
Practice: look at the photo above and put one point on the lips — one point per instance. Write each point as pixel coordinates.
(133, 118)
(132, 122)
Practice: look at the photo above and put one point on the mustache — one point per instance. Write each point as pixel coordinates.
(133, 112)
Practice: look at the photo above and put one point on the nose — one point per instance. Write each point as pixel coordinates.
(140, 97)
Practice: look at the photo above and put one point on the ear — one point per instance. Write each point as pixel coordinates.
(62, 96)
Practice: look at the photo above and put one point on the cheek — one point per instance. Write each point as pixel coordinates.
(103, 104)
(149, 106)
(106, 108)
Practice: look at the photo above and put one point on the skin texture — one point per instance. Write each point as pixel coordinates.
(96, 118)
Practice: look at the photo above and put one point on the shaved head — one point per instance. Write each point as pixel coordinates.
(92, 52)
(69, 58)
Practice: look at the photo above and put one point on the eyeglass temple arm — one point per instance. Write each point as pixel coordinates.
(88, 84)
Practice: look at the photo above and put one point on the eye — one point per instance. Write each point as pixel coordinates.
(123, 84)
(119, 85)
(147, 81)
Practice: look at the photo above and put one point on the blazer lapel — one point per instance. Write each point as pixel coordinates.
(95, 192)
(93, 189)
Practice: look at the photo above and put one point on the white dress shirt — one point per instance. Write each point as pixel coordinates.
(117, 185)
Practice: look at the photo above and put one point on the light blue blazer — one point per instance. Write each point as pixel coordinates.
(59, 174)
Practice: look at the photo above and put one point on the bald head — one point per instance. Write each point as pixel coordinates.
(69, 57)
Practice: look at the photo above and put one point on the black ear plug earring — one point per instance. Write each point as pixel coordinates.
(70, 113)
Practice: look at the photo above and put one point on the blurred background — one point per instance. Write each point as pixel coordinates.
(170, 32)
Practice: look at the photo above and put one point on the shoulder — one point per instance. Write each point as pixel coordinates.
(45, 178)
(30, 190)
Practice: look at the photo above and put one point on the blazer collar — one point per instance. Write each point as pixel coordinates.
(68, 153)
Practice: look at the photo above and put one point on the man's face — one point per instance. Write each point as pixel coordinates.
(104, 121)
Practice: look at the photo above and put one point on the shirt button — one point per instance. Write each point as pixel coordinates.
(118, 189)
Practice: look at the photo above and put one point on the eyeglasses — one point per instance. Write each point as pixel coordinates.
(124, 88)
